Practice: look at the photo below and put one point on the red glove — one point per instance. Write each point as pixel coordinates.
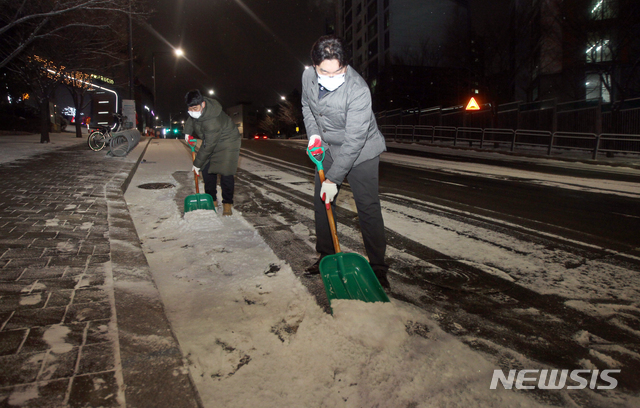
(190, 139)
(314, 141)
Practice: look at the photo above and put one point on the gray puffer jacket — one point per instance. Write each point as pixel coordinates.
(344, 120)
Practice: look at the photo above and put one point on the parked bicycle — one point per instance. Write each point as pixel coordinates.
(100, 136)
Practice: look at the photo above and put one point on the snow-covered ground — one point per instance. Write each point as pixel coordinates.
(20, 147)
(533, 265)
(254, 336)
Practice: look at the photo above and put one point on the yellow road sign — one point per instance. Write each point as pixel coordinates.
(472, 105)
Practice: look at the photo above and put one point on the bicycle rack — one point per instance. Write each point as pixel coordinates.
(123, 142)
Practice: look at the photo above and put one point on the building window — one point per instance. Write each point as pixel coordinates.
(372, 30)
(598, 50)
(386, 4)
(347, 20)
(358, 9)
(596, 88)
(372, 11)
(373, 48)
(387, 42)
(347, 5)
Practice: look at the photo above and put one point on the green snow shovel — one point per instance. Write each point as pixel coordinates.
(197, 201)
(345, 275)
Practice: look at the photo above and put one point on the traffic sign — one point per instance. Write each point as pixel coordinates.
(472, 105)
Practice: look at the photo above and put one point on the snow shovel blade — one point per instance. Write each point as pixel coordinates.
(349, 276)
(198, 202)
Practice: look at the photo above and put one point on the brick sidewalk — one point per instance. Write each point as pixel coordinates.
(81, 322)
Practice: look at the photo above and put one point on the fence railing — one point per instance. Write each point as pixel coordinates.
(586, 116)
(606, 143)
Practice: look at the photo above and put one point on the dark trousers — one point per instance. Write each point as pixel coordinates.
(363, 180)
(227, 184)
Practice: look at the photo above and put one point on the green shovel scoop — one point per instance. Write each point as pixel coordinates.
(345, 275)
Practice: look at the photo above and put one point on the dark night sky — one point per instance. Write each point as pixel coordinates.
(246, 50)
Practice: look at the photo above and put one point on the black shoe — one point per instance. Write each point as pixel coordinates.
(382, 278)
(315, 268)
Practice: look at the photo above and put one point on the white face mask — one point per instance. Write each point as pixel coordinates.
(195, 115)
(331, 83)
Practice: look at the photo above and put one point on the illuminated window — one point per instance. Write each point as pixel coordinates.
(602, 9)
(598, 51)
(595, 87)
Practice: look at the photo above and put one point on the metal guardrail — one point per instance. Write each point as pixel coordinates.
(586, 116)
(123, 142)
(608, 143)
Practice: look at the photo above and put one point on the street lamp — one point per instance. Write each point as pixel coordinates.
(178, 53)
(211, 92)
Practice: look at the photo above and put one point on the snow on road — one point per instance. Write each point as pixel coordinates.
(253, 336)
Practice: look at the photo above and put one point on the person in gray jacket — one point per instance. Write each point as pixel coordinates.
(220, 148)
(336, 105)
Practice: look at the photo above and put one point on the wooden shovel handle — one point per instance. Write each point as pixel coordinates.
(332, 224)
(193, 154)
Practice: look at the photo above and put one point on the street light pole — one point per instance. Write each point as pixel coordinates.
(153, 57)
(131, 82)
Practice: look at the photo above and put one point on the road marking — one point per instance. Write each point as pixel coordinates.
(444, 182)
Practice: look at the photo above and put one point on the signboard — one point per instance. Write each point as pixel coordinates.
(129, 110)
(472, 105)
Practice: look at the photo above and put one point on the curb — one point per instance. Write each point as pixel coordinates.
(153, 371)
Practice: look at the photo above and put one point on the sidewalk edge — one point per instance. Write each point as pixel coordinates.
(153, 366)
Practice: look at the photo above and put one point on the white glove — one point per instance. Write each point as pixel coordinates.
(314, 141)
(196, 169)
(328, 191)
(187, 137)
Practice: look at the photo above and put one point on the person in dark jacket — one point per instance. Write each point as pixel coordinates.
(220, 149)
(336, 105)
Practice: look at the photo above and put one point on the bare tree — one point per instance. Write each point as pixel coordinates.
(53, 42)
(92, 52)
(269, 125)
(24, 22)
(42, 77)
(509, 54)
(290, 115)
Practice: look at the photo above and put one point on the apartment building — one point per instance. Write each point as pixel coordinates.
(576, 49)
(409, 51)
